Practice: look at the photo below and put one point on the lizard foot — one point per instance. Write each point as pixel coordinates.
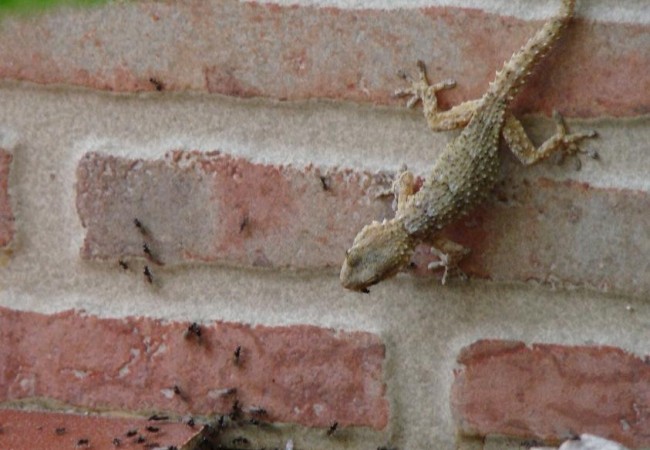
(421, 89)
(450, 254)
(569, 141)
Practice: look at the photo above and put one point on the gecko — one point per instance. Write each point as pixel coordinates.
(465, 172)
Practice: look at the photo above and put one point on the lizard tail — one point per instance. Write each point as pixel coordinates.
(512, 76)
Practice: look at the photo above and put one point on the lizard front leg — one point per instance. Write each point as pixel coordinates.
(450, 254)
(403, 187)
(422, 90)
(521, 145)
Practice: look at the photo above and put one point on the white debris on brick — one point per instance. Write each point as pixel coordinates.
(587, 442)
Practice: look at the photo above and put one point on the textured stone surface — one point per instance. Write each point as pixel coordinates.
(209, 207)
(300, 374)
(30, 430)
(6, 214)
(296, 52)
(552, 392)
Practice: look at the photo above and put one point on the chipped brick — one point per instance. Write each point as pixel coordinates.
(301, 374)
(352, 55)
(552, 392)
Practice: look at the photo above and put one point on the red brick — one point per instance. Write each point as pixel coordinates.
(552, 392)
(560, 233)
(6, 214)
(300, 374)
(297, 52)
(30, 430)
(209, 207)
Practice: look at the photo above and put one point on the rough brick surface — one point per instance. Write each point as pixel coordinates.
(301, 374)
(248, 49)
(208, 207)
(561, 233)
(30, 430)
(6, 214)
(552, 392)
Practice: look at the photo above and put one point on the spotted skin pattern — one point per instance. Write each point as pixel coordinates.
(466, 171)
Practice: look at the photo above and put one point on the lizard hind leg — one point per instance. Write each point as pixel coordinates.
(422, 90)
(450, 254)
(522, 147)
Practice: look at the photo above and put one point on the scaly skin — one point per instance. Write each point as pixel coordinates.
(465, 172)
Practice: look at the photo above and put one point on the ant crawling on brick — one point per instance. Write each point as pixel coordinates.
(157, 84)
(193, 331)
(156, 417)
(326, 183)
(237, 355)
(148, 275)
(138, 224)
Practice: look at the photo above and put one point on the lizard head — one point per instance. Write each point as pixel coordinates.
(379, 251)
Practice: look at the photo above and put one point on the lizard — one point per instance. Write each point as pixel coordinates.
(465, 172)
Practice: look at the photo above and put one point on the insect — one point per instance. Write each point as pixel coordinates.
(60, 431)
(194, 329)
(140, 226)
(235, 412)
(152, 429)
(326, 183)
(158, 417)
(131, 433)
(148, 275)
(332, 428)
(157, 84)
(123, 264)
(243, 223)
(237, 355)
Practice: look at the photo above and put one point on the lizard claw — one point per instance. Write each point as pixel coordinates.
(569, 141)
(421, 88)
(449, 261)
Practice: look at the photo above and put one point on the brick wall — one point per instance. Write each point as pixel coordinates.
(179, 182)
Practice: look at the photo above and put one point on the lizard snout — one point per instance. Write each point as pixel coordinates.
(379, 251)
